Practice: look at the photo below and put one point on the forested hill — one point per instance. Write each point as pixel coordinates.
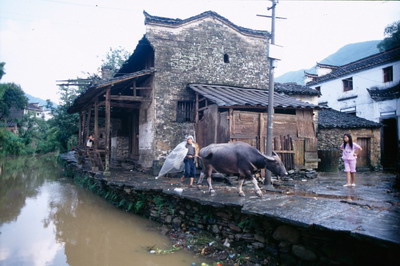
(344, 55)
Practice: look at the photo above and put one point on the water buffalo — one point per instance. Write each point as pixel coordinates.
(238, 158)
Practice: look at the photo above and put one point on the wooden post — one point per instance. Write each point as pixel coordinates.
(83, 128)
(80, 130)
(196, 116)
(134, 87)
(230, 123)
(89, 114)
(96, 124)
(108, 129)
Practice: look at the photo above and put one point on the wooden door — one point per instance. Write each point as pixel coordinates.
(364, 156)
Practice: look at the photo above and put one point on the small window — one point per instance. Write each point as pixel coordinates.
(388, 74)
(347, 84)
(226, 58)
(185, 111)
(349, 110)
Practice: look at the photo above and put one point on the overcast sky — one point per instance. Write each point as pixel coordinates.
(42, 41)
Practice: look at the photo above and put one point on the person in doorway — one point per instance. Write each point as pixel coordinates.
(189, 161)
(90, 141)
(350, 151)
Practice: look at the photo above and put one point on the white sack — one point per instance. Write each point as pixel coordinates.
(174, 161)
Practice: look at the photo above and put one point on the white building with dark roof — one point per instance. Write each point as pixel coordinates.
(368, 88)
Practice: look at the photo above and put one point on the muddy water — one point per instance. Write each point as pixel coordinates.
(47, 220)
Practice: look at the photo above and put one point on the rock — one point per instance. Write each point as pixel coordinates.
(248, 236)
(164, 230)
(287, 259)
(259, 238)
(286, 233)
(177, 221)
(168, 219)
(257, 245)
(224, 215)
(303, 253)
(234, 227)
(215, 229)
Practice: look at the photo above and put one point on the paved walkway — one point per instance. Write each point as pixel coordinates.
(371, 210)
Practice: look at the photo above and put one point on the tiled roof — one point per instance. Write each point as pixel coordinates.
(230, 96)
(292, 88)
(149, 19)
(326, 66)
(385, 94)
(359, 65)
(329, 118)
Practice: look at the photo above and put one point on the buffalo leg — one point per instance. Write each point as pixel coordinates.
(210, 188)
(209, 173)
(257, 188)
(241, 181)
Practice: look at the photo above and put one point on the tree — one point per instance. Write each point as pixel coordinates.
(11, 95)
(115, 58)
(65, 125)
(2, 72)
(392, 39)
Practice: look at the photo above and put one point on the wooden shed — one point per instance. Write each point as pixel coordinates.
(227, 113)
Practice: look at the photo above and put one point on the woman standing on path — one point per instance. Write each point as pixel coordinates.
(190, 167)
(349, 157)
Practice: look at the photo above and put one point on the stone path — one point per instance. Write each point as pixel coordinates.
(371, 210)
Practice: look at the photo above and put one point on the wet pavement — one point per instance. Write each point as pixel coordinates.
(369, 211)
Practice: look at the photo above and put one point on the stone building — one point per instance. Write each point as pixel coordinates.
(147, 108)
(332, 125)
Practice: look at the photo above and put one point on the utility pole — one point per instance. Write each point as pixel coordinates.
(267, 181)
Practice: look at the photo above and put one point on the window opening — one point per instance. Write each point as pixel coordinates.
(185, 111)
(388, 74)
(226, 58)
(347, 84)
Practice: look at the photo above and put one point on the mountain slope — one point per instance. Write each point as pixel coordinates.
(347, 54)
(33, 99)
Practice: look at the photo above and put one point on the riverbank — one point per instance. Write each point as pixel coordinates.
(315, 222)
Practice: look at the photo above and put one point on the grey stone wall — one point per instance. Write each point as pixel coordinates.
(331, 139)
(195, 54)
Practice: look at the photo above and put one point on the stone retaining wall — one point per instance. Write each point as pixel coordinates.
(265, 240)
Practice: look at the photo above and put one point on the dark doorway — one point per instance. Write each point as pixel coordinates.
(389, 149)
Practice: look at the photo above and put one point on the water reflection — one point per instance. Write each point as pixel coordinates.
(47, 220)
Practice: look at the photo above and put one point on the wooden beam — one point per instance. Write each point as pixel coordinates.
(126, 105)
(129, 98)
(108, 129)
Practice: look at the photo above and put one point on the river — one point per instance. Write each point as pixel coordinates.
(45, 219)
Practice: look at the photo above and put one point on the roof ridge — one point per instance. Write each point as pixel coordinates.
(359, 65)
(177, 21)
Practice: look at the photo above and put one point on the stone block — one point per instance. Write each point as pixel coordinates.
(303, 253)
(286, 233)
